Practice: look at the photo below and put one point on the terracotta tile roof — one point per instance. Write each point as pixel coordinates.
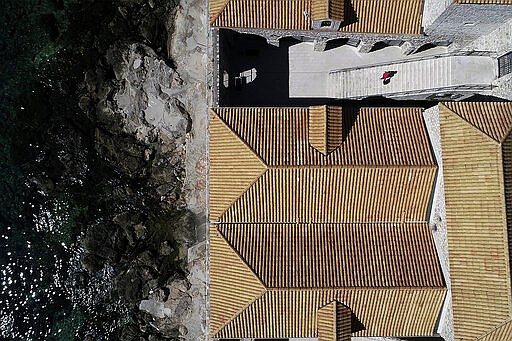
(361, 194)
(383, 312)
(375, 136)
(273, 14)
(334, 322)
(477, 114)
(242, 305)
(366, 16)
(325, 128)
(238, 166)
(384, 16)
(384, 170)
(337, 255)
(327, 9)
(276, 279)
(503, 332)
(477, 170)
(233, 285)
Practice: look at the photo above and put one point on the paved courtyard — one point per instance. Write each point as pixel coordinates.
(309, 69)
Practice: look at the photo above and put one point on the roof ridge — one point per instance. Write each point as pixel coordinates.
(494, 329)
(470, 123)
(239, 137)
(241, 258)
(436, 287)
(217, 15)
(419, 166)
(262, 292)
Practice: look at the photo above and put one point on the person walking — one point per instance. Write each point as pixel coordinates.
(386, 76)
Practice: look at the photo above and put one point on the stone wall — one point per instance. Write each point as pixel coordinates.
(466, 22)
(365, 40)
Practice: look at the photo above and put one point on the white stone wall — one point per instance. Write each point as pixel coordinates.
(469, 21)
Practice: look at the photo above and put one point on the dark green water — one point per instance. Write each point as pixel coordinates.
(43, 60)
(53, 185)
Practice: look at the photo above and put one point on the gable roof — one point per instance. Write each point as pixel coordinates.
(298, 266)
(384, 170)
(271, 14)
(324, 9)
(325, 128)
(300, 271)
(382, 311)
(491, 118)
(366, 16)
(373, 136)
(337, 255)
(240, 166)
(334, 322)
(477, 168)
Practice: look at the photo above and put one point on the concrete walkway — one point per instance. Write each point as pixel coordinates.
(422, 76)
(309, 69)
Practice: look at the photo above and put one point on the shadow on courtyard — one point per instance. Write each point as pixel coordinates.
(255, 73)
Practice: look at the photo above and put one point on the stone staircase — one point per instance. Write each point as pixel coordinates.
(430, 75)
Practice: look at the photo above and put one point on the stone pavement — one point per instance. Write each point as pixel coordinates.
(420, 76)
(309, 69)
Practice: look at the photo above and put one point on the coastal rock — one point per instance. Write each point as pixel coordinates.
(157, 309)
(167, 314)
(147, 91)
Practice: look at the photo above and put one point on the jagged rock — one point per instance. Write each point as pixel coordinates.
(140, 231)
(123, 152)
(168, 317)
(146, 92)
(159, 295)
(101, 242)
(155, 308)
(106, 131)
(128, 286)
(165, 248)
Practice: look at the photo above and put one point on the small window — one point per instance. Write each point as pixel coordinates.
(325, 23)
(225, 79)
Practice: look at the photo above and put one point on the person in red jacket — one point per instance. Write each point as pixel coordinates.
(386, 76)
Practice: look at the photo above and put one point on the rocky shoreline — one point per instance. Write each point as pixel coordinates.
(142, 127)
(120, 141)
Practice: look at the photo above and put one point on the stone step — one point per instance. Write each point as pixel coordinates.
(409, 76)
(417, 75)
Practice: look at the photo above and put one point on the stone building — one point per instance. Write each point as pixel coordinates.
(364, 22)
(477, 169)
(469, 19)
(319, 224)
